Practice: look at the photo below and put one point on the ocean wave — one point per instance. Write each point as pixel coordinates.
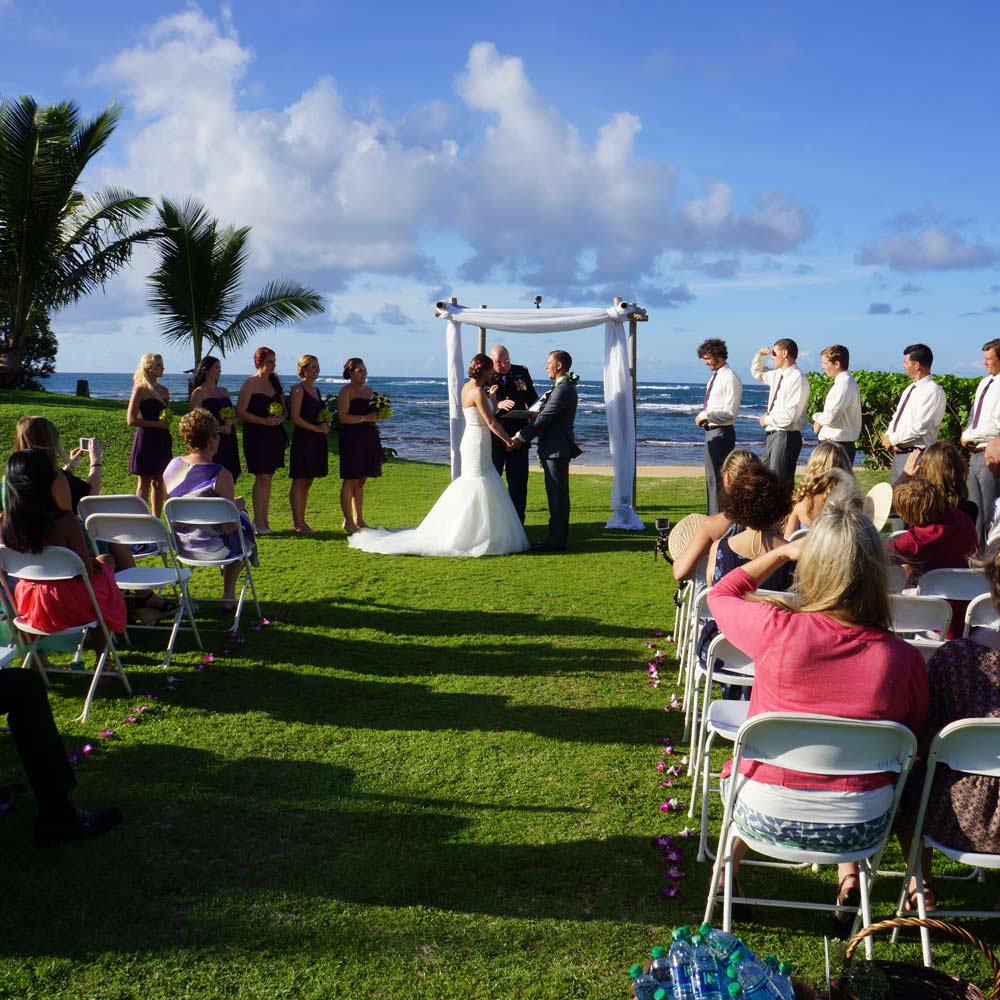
(671, 407)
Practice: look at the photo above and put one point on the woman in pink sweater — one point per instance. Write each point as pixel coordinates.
(830, 652)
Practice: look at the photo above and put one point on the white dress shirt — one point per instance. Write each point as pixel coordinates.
(723, 403)
(920, 411)
(988, 426)
(841, 414)
(789, 396)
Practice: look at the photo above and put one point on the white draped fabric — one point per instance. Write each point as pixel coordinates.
(617, 384)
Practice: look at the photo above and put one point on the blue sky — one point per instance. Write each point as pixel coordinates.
(788, 170)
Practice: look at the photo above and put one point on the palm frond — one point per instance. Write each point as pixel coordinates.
(278, 302)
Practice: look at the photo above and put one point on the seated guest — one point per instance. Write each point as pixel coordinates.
(43, 757)
(938, 537)
(197, 474)
(716, 525)
(811, 494)
(828, 651)
(948, 469)
(963, 810)
(68, 490)
(32, 520)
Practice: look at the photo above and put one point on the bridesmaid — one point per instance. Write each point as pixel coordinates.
(360, 444)
(209, 395)
(264, 437)
(151, 446)
(310, 454)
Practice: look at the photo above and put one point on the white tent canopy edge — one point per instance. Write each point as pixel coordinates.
(618, 387)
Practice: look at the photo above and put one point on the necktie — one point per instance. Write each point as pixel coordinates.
(708, 391)
(979, 405)
(902, 406)
(774, 398)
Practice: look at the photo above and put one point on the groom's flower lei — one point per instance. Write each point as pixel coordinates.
(573, 377)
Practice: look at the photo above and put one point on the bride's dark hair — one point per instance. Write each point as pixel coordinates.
(480, 363)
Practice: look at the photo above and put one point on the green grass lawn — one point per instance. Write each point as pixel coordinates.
(427, 778)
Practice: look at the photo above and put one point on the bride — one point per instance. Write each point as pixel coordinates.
(474, 516)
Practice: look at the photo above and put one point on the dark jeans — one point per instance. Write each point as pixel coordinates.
(24, 702)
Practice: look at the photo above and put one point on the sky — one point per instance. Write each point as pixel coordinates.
(824, 172)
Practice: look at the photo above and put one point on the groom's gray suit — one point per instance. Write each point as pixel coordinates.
(556, 446)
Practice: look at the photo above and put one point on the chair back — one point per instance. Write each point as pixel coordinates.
(919, 614)
(825, 744)
(897, 578)
(52, 563)
(926, 647)
(200, 510)
(969, 745)
(953, 584)
(112, 503)
(796, 535)
(981, 612)
(128, 529)
(734, 660)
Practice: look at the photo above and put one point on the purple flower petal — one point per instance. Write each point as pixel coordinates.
(670, 891)
(265, 622)
(144, 708)
(666, 741)
(227, 652)
(107, 734)
(660, 765)
(208, 658)
(75, 758)
(130, 718)
(657, 634)
(171, 680)
(256, 628)
(672, 854)
(676, 872)
(663, 841)
(687, 832)
(169, 687)
(87, 749)
(666, 783)
(654, 684)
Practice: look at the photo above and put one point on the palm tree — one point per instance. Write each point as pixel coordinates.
(56, 244)
(195, 287)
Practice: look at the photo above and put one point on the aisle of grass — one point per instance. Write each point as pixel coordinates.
(428, 778)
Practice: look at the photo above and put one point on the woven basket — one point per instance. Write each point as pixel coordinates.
(917, 982)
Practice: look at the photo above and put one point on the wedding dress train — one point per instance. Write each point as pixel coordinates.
(473, 517)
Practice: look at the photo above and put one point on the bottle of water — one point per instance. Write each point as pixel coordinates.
(705, 975)
(734, 990)
(756, 983)
(659, 968)
(783, 980)
(681, 962)
(723, 944)
(645, 985)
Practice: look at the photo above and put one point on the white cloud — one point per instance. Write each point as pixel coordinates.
(336, 191)
(917, 247)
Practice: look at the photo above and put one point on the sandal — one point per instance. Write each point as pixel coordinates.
(930, 899)
(843, 920)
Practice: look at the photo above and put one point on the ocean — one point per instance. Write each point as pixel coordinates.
(418, 428)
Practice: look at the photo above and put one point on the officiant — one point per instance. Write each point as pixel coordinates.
(511, 392)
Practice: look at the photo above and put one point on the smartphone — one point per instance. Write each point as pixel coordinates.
(85, 444)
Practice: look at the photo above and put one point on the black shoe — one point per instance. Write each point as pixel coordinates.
(547, 547)
(86, 823)
(843, 920)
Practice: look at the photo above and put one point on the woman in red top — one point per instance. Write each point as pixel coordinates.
(828, 653)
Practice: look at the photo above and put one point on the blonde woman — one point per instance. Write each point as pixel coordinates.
(149, 412)
(811, 494)
(943, 465)
(310, 454)
(828, 651)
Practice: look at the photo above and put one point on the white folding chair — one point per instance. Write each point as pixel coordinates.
(120, 503)
(926, 647)
(813, 744)
(981, 613)
(11, 645)
(144, 529)
(897, 578)
(700, 616)
(953, 584)
(796, 535)
(51, 564)
(912, 614)
(212, 512)
(971, 746)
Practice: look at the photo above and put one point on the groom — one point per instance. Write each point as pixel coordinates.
(556, 446)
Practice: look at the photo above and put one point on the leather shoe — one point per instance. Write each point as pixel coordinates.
(86, 823)
(547, 547)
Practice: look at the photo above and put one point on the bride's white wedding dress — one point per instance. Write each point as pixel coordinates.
(473, 517)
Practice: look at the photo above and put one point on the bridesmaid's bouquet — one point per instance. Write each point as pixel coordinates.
(166, 416)
(275, 409)
(379, 403)
(324, 416)
(227, 413)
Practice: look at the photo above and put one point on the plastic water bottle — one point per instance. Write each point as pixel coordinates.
(723, 944)
(681, 965)
(645, 985)
(659, 968)
(734, 990)
(753, 977)
(705, 977)
(783, 980)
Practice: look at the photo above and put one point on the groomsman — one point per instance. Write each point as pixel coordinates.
(718, 414)
(787, 401)
(840, 419)
(919, 412)
(983, 426)
(512, 391)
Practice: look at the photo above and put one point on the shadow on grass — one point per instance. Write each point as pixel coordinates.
(297, 830)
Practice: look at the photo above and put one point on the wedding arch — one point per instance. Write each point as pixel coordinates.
(619, 379)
